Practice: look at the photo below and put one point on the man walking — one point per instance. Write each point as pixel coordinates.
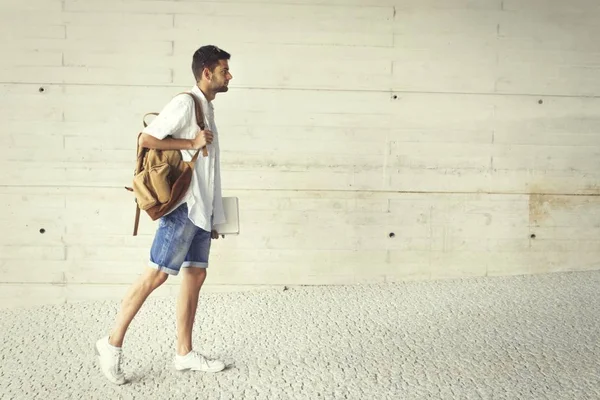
(183, 238)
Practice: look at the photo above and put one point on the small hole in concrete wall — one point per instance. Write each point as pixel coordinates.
(392, 234)
(42, 230)
(541, 102)
(395, 96)
(41, 90)
(533, 235)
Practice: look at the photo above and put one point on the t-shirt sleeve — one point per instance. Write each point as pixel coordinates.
(174, 117)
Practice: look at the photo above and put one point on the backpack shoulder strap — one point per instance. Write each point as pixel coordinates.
(144, 118)
(141, 152)
(199, 113)
(136, 221)
(200, 122)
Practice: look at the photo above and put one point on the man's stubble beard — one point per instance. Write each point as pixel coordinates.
(220, 89)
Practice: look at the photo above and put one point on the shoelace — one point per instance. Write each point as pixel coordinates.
(202, 359)
(117, 356)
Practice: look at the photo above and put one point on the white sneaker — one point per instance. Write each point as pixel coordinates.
(197, 362)
(110, 361)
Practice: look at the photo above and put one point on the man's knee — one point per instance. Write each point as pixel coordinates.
(196, 275)
(154, 278)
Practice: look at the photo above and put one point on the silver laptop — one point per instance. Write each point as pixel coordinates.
(232, 215)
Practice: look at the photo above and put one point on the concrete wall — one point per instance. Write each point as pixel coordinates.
(468, 129)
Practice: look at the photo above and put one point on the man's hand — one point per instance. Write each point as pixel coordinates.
(202, 139)
(214, 234)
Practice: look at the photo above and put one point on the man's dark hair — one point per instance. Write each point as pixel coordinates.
(207, 57)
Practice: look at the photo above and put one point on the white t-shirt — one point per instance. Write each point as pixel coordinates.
(178, 120)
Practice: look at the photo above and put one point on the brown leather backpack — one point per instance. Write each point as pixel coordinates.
(161, 177)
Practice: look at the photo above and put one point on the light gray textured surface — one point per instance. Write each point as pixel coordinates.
(533, 337)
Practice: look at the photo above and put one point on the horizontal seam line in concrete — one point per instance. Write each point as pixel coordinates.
(337, 191)
(214, 285)
(388, 91)
(233, 3)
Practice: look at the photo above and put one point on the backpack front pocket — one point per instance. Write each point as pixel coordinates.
(159, 182)
(151, 187)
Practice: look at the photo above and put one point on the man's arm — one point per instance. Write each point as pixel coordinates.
(202, 139)
(172, 119)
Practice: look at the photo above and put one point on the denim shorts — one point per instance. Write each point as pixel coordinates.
(179, 243)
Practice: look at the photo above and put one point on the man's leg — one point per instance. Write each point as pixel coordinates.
(108, 348)
(192, 281)
(133, 300)
(194, 274)
(169, 248)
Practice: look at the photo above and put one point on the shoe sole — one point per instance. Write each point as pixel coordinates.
(201, 370)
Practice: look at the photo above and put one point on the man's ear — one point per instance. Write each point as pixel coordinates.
(206, 73)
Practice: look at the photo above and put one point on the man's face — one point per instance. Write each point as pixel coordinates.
(220, 77)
